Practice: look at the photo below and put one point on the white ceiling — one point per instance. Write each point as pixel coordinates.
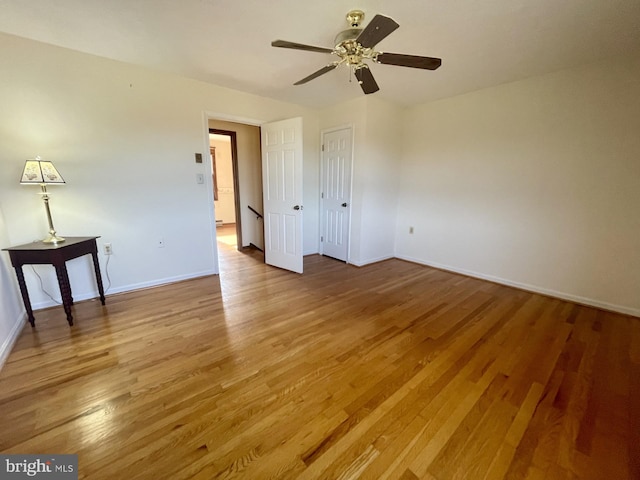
(227, 42)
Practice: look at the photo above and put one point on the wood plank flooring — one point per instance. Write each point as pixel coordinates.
(390, 371)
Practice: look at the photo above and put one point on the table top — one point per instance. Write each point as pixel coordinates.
(39, 245)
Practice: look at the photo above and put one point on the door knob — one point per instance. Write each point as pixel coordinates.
(344, 204)
(298, 207)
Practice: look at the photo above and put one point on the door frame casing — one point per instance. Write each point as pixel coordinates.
(324, 132)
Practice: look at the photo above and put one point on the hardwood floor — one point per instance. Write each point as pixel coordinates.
(391, 371)
(226, 235)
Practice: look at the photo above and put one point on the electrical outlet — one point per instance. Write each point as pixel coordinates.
(199, 178)
(107, 249)
(161, 243)
(410, 230)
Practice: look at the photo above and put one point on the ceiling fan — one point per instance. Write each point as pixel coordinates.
(355, 45)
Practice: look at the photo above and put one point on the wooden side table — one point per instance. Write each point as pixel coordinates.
(38, 253)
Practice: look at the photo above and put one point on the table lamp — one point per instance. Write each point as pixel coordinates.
(43, 173)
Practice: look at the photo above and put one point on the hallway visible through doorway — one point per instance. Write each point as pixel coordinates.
(233, 260)
(227, 235)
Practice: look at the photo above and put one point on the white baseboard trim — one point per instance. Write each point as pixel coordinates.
(470, 273)
(370, 261)
(128, 288)
(7, 345)
(162, 281)
(530, 288)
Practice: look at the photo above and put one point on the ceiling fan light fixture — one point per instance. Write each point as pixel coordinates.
(356, 44)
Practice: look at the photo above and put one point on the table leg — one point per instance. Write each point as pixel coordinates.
(68, 284)
(65, 290)
(25, 296)
(96, 268)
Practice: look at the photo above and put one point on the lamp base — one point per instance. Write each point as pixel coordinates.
(53, 238)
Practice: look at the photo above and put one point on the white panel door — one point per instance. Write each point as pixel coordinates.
(282, 193)
(336, 193)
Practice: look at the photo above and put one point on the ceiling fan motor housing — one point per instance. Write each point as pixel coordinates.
(346, 36)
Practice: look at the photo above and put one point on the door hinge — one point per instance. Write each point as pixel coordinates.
(322, 239)
(322, 195)
(323, 147)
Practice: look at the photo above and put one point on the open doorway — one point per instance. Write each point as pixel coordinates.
(236, 162)
(223, 148)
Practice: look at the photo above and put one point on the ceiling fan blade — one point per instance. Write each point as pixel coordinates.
(366, 80)
(300, 46)
(377, 29)
(413, 61)
(322, 71)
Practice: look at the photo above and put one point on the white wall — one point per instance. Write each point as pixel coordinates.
(124, 139)
(376, 177)
(12, 313)
(534, 183)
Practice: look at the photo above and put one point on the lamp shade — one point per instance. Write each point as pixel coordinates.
(40, 172)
